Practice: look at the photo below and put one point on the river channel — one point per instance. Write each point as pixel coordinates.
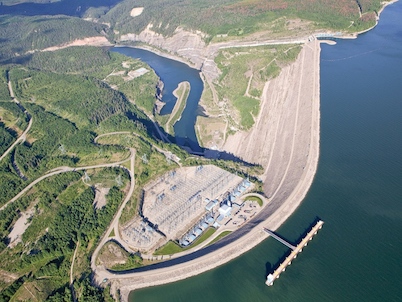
(171, 73)
(357, 191)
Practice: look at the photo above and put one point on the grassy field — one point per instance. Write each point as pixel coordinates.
(220, 236)
(244, 73)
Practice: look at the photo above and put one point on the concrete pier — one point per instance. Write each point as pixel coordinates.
(282, 267)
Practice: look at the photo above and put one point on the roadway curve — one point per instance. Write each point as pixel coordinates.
(114, 225)
(60, 170)
(24, 134)
(20, 139)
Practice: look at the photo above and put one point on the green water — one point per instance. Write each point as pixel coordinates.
(357, 191)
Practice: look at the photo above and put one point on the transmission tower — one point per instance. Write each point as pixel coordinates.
(144, 159)
(62, 149)
(119, 181)
(86, 177)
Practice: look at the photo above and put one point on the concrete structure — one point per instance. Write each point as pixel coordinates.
(225, 210)
(298, 249)
(210, 206)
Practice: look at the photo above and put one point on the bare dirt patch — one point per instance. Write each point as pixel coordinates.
(112, 254)
(211, 131)
(94, 41)
(137, 73)
(20, 226)
(136, 11)
(100, 196)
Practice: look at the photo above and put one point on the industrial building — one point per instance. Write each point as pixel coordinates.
(182, 204)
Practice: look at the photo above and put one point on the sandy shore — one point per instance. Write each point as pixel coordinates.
(285, 140)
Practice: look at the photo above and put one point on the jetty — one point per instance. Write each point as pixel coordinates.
(293, 254)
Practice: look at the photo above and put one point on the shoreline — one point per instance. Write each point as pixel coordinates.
(156, 277)
(356, 34)
(161, 53)
(132, 281)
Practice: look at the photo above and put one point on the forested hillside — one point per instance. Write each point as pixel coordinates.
(67, 95)
(29, 26)
(18, 34)
(243, 17)
(114, 69)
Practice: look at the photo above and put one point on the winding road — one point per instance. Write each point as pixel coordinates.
(60, 170)
(114, 225)
(22, 137)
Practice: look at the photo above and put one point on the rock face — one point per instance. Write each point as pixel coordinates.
(188, 45)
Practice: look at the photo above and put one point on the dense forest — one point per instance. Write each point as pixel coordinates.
(64, 217)
(69, 110)
(12, 122)
(114, 69)
(18, 34)
(4, 93)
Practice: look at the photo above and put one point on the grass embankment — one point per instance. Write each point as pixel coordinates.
(220, 236)
(181, 93)
(244, 74)
(255, 199)
(171, 247)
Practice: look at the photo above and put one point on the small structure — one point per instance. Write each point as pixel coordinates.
(198, 232)
(210, 220)
(191, 238)
(185, 243)
(225, 210)
(220, 218)
(210, 206)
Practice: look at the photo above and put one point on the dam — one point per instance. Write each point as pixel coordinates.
(293, 254)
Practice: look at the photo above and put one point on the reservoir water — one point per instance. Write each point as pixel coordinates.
(357, 191)
(171, 73)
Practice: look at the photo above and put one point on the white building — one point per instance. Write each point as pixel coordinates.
(225, 210)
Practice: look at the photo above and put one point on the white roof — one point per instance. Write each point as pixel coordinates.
(225, 210)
